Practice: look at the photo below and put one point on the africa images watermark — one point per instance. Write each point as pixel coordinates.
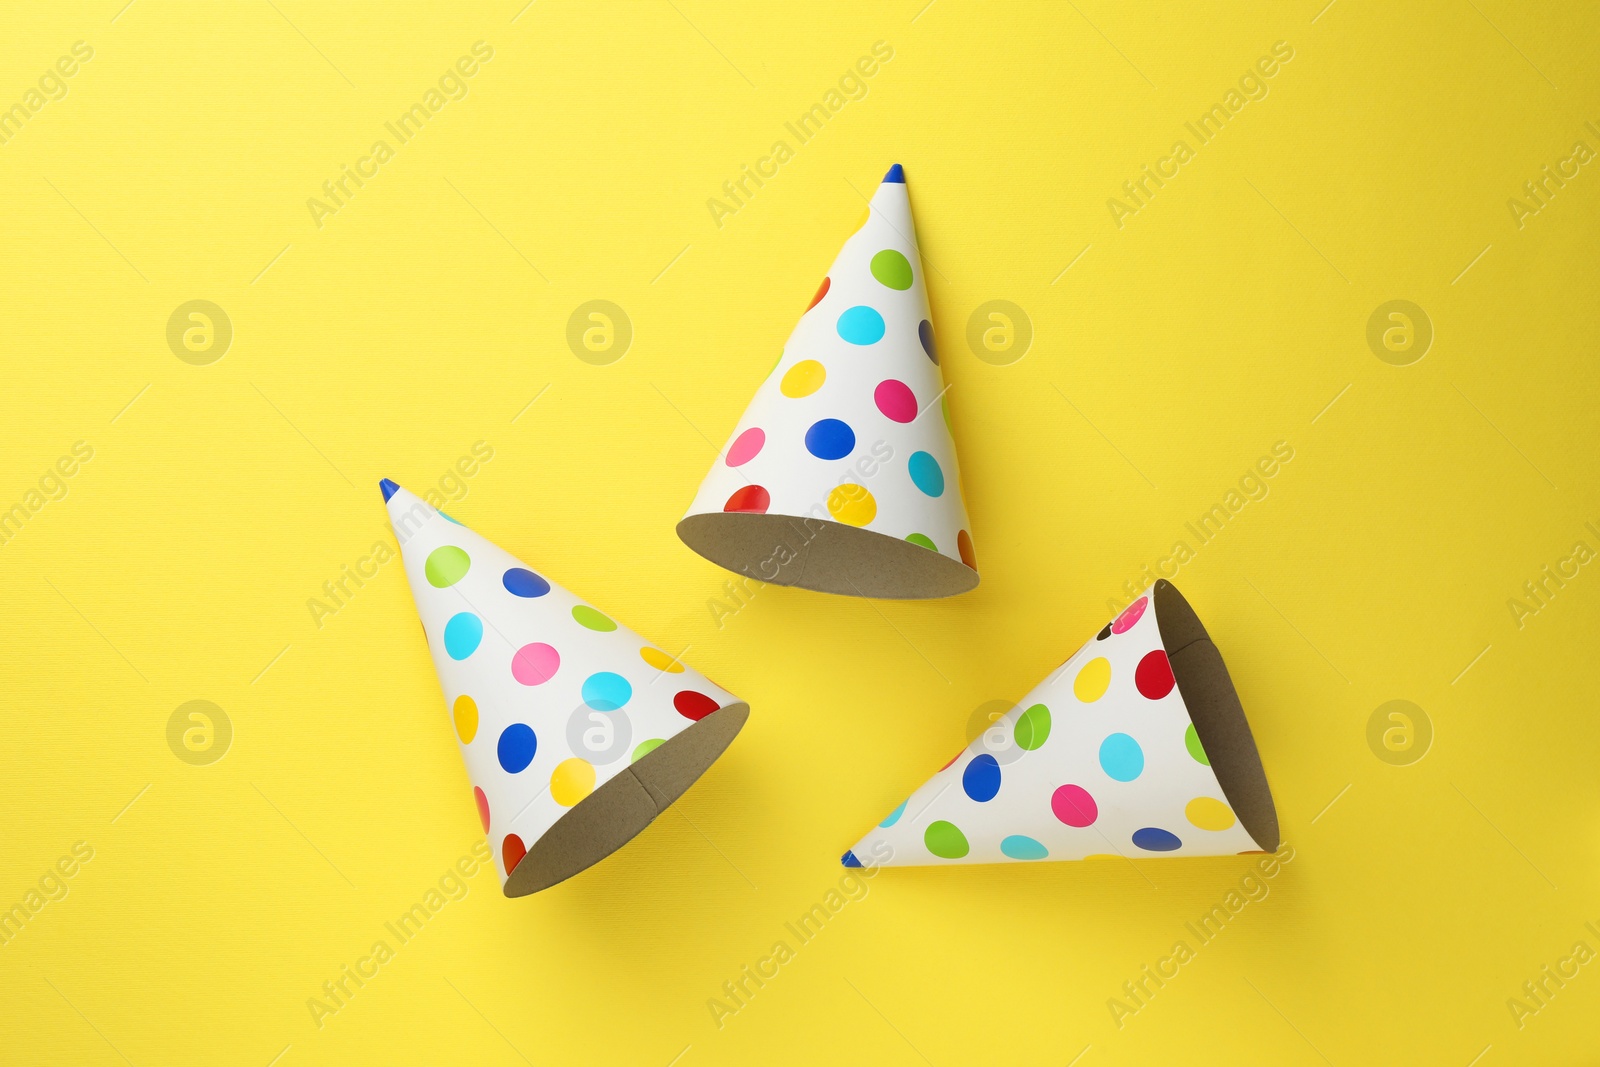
(1541, 190)
(1254, 887)
(852, 85)
(811, 523)
(1542, 988)
(1252, 85)
(337, 592)
(452, 85)
(54, 884)
(1542, 588)
(1253, 486)
(52, 85)
(52, 486)
(737, 993)
(338, 992)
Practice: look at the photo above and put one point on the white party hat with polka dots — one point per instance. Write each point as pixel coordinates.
(1136, 746)
(842, 475)
(576, 731)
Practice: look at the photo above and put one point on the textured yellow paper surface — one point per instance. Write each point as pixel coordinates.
(425, 319)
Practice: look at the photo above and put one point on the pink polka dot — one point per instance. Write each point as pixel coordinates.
(1130, 615)
(1074, 806)
(746, 446)
(535, 664)
(896, 400)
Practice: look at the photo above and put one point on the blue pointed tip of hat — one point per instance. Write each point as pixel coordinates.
(896, 174)
(389, 489)
(849, 858)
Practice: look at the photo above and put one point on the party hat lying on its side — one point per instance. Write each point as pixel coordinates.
(841, 476)
(576, 732)
(1136, 746)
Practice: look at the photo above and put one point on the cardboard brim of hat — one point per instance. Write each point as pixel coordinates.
(841, 476)
(576, 732)
(1137, 746)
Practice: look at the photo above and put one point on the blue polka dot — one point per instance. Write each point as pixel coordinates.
(606, 691)
(516, 748)
(1022, 847)
(925, 473)
(849, 860)
(1121, 757)
(894, 816)
(1155, 839)
(861, 325)
(830, 439)
(519, 581)
(462, 635)
(981, 779)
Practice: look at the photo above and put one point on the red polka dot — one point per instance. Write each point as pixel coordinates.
(1153, 675)
(957, 756)
(692, 705)
(752, 499)
(511, 852)
(964, 546)
(1130, 615)
(822, 291)
(896, 400)
(1074, 806)
(483, 807)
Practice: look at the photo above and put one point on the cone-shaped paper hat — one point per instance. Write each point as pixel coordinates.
(842, 475)
(576, 731)
(1136, 746)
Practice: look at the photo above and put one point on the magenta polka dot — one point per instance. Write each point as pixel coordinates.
(535, 664)
(896, 400)
(746, 446)
(1074, 806)
(1130, 615)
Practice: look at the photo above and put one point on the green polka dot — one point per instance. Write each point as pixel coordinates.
(922, 539)
(446, 566)
(1033, 727)
(1191, 741)
(647, 747)
(891, 268)
(944, 409)
(945, 840)
(592, 619)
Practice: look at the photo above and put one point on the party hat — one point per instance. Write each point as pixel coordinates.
(842, 476)
(1136, 746)
(576, 731)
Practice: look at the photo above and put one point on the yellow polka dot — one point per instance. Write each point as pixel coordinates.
(572, 781)
(1093, 680)
(804, 378)
(660, 660)
(852, 504)
(1209, 813)
(466, 711)
(865, 216)
(1101, 856)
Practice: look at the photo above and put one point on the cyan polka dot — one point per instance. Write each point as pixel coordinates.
(1121, 757)
(462, 635)
(606, 691)
(894, 816)
(926, 474)
(861, 325)
(1022, 847)
(830, 439)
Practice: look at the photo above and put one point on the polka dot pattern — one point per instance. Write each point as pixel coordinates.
(926, 474)
(803, 379)
(892, 269)
(465, 713)
(1105, 760)
(606, 691)
(925, 335)
(751, 500)
(852, 504)
(822, 291)
(896, 400)
(482, 802)
(516, 747)
(572, 780)
(511, 852)
(591, 619)
(693, 705)
(660, 660)
(535, 664)
(446, 566)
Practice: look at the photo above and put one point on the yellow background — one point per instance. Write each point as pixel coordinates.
(425, 315)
